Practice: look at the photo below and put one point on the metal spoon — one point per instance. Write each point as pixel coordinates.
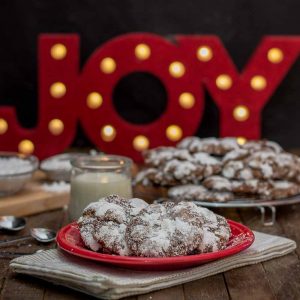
(42, 235)
(11, 223)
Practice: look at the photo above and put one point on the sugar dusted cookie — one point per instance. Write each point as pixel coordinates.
(191, 192)
(103, 223)
(176, 229)
(218, 183)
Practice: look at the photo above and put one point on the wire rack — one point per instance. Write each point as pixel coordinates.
(266, 207)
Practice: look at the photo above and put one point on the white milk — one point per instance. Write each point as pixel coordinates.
(90, 187)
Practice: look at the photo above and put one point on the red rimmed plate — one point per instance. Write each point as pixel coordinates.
(68, 239)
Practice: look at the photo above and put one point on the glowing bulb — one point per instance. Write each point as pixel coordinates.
(140, 143)
(58, 51)
(258, 82)
(174, 133)
(26, 147)
(241, 113)
(142, 51)
(108, 133)
(186, 100)
(56, 126)
(3, 126)
(241, 140)
(204, 53)
(108, 65)
(58, 90)
(94, 100)
(275, 55)
(224, 82)
(176, 69)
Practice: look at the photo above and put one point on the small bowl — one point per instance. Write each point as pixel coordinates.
(58, 167)
(12, 180)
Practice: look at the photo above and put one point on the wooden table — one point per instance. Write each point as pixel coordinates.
(275, 279)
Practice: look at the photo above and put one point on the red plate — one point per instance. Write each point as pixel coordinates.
(68, 239)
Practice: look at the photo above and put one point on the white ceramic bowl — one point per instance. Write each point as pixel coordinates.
(15, 170)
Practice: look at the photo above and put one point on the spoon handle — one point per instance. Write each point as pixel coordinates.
(10, 242)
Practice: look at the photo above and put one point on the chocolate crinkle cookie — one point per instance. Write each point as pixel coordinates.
(103, 223)
(190, 192)
(219, 169)
(170, 229)
(119, 226)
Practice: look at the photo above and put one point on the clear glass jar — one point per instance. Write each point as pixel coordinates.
(94, 177)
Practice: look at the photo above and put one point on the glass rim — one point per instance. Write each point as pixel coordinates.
(97, 162)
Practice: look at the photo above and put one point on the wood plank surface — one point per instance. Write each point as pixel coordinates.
(33, 199)
(275, 279)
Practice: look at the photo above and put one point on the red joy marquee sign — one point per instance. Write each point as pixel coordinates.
(68, 95)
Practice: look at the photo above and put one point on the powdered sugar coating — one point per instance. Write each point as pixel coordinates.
(262, 145)
(191, 192)
(218, 183)
(158, 231)
(216, 231)
(103, 223)
(236, 169)
(209, 145)
(14, 165)
(155, 157)
(235, 155)
(171, 230)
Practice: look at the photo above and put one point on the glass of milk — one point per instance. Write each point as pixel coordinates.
(94, 177)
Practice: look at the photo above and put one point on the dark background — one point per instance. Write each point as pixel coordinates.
(239, 23)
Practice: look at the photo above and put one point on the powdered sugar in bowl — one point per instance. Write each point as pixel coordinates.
(15, 170)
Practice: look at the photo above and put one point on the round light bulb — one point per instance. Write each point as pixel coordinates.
(58, 90)
(108, 65)
(26, 147)
(56, 126)
(275, 55)
(58, 51)
(258, 82)
(174, 133)
(140, 143)
(224, 82)
(241, 113)
(241, 140)
(108, 133)
(94, 100)
(176, 69)
(204, 53)
(3, 126)
(186, 100)
(142, 51)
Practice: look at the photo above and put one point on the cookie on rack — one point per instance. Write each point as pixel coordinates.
(251, 187)
(283, 189)
(217, 183)
(237, 169)
(160, 155)
(192, 192)
(103, 223)
(271, 165)
(262, 145)
(214, 146)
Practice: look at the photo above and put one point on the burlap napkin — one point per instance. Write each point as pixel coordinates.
(103, 281)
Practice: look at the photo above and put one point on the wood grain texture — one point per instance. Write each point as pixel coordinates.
(33, 199)
(209, 288)
(275, 279)
(175, 292)
(25, 287)
(282, 273)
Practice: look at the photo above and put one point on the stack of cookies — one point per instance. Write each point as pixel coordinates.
(212, 169)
